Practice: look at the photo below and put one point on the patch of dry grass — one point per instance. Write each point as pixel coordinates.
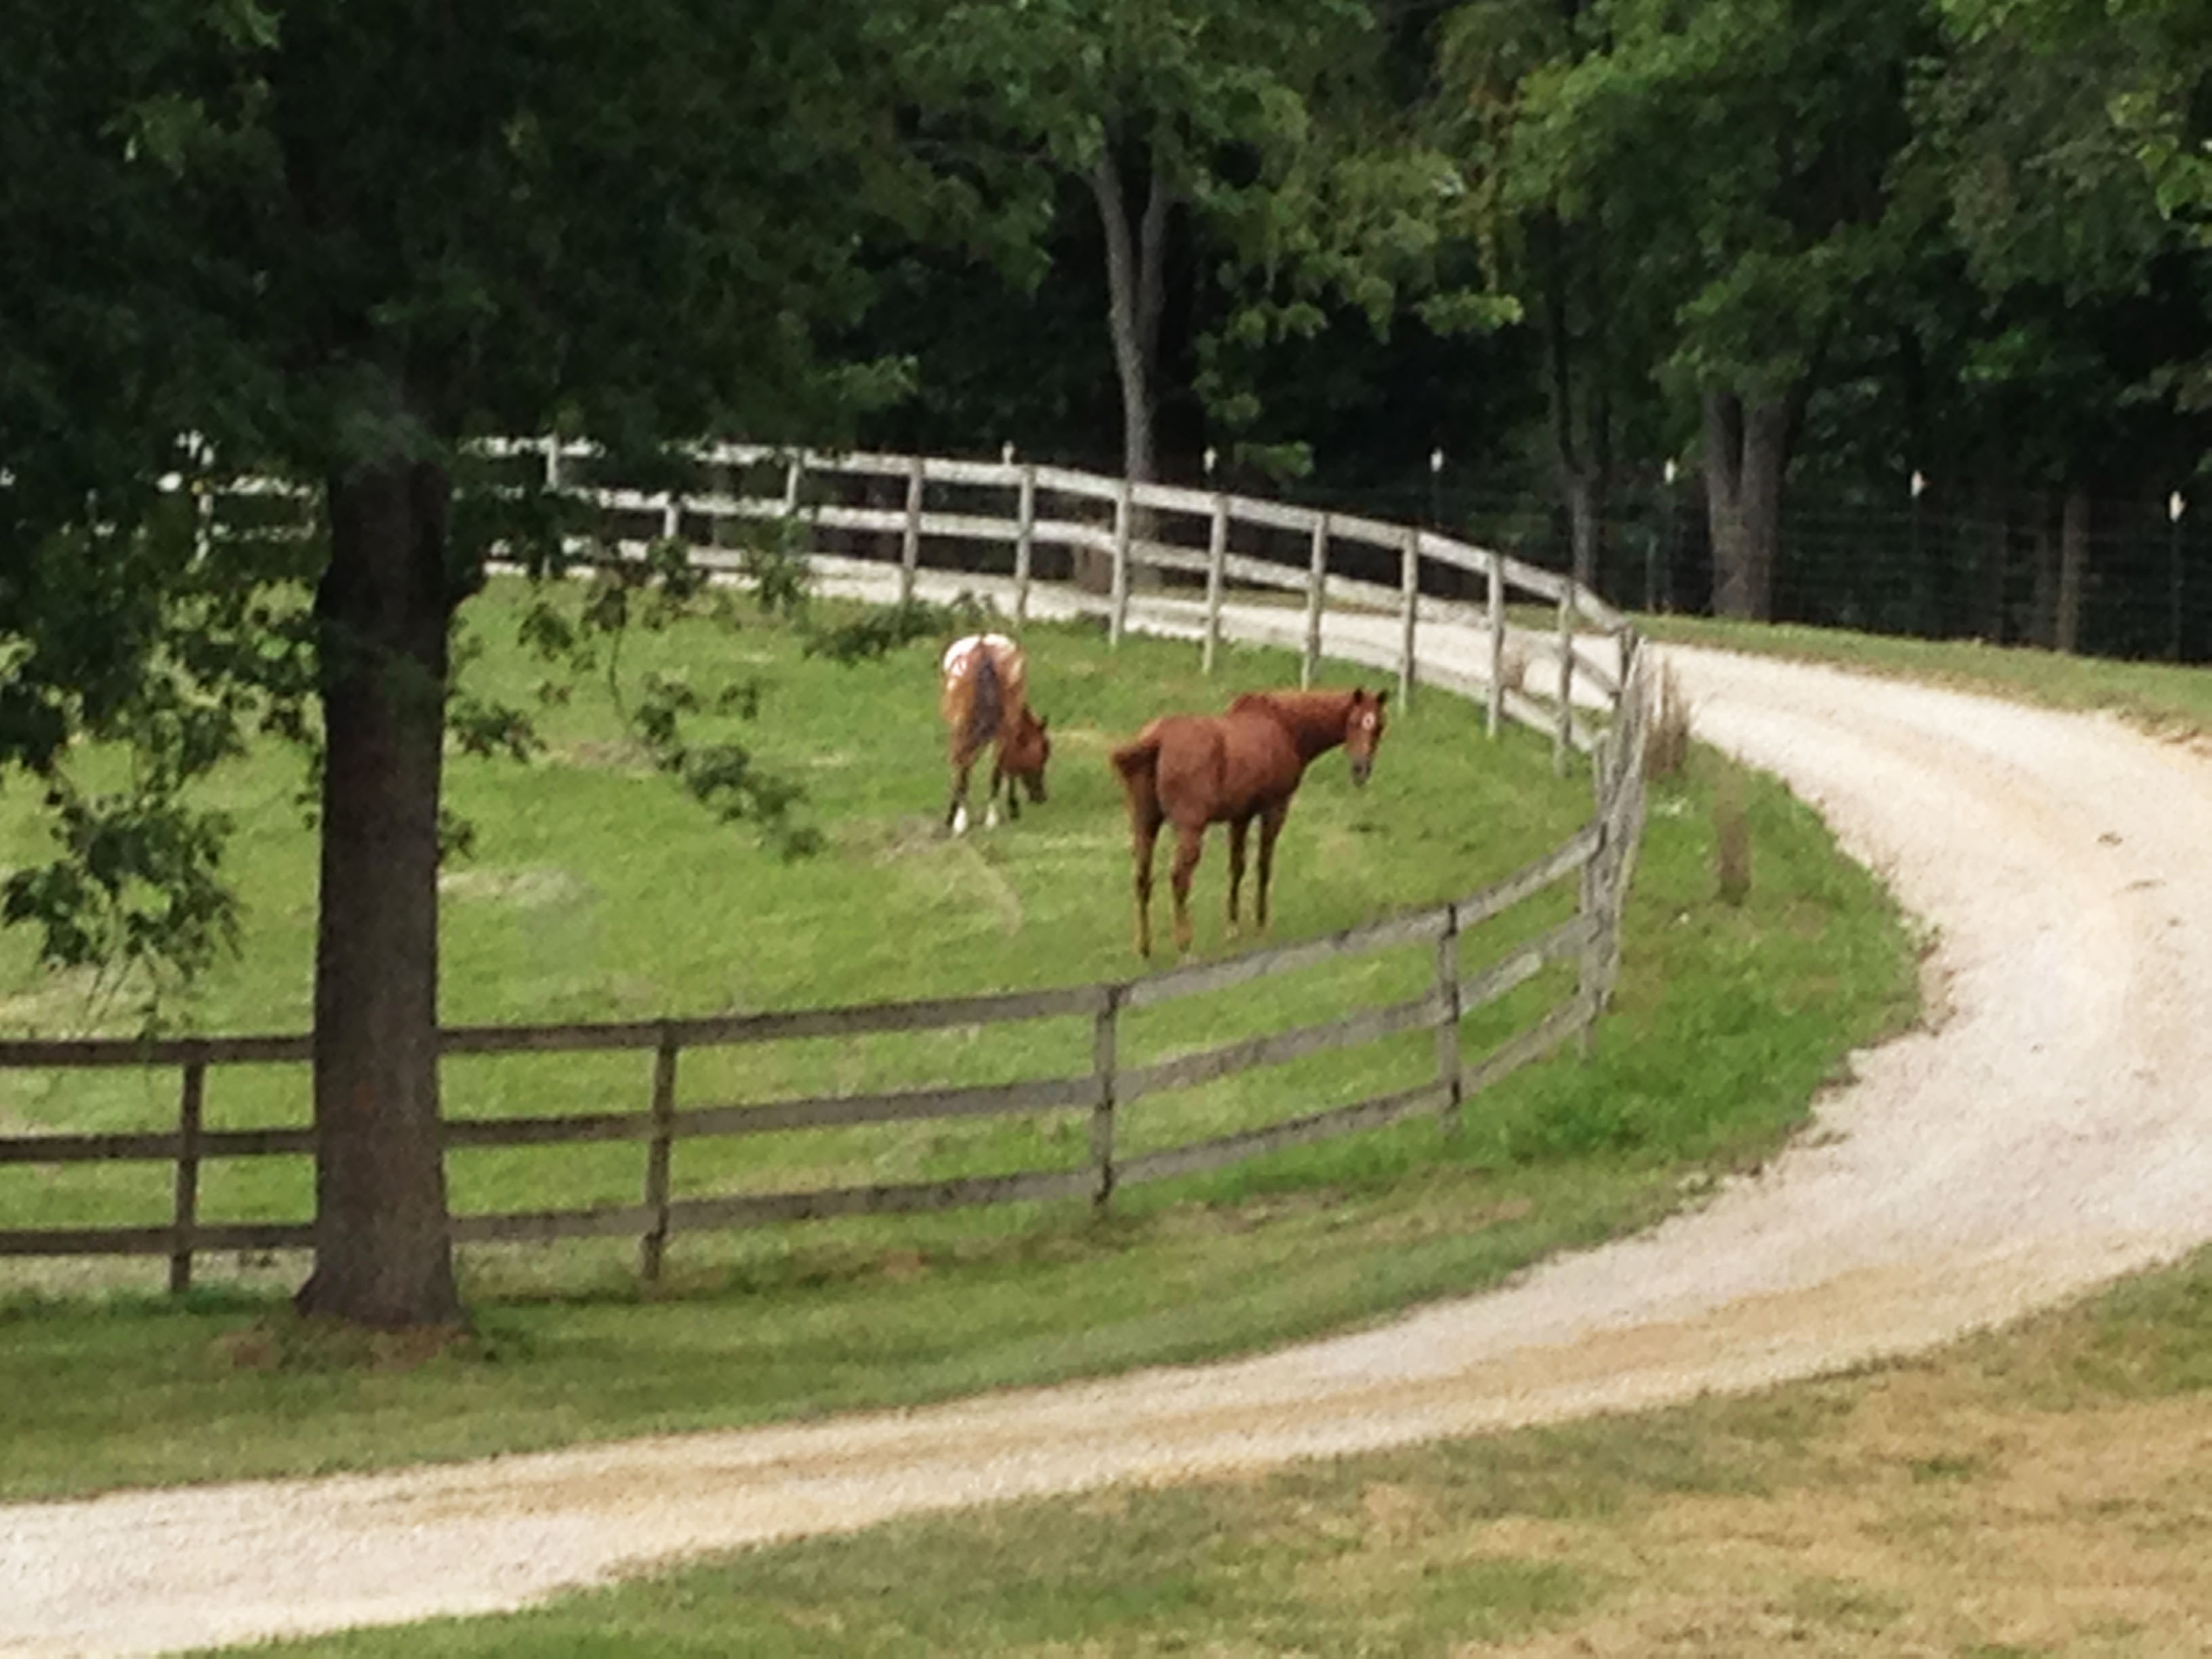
(2043, 1490)
(1667, 747)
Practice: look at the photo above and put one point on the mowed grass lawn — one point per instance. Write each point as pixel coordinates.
(2041, 1491)
(596, 891)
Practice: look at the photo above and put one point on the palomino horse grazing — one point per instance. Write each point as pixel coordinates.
(985, 701)
(1191, 770)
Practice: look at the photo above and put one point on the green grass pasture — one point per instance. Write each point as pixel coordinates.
(598, 891)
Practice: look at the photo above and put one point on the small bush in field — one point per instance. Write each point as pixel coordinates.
(1731, 841)
(1668, 747)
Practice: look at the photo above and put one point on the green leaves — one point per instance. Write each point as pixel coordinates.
(136, 890)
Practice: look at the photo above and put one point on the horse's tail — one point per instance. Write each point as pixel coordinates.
(987, 710)
(1136, 762)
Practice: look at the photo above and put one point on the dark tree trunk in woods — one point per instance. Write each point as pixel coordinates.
(383, 1253)
(1585, 526)
(2073, 570)
(1136, 287)
(1580, 417)
(1747, 452)
(2045, 603)
(1996, 561)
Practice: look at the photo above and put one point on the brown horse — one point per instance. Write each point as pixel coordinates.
(985, 701)
(1191, 770)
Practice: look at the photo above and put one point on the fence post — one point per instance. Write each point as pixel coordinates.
(1104, 1035)
(1448, 1068)
(1496, 641)
(191, 1106)
(671, 517)
(1123, 528)
(654, 1245)
(792, 470)
(1317, 585)
(1566, 733)
(1024, 542)
(910, 541)
(1627, 808)
(1596, 886)
(1409, 582)
(1217, 552)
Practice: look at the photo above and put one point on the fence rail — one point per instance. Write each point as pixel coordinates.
(1600, 853)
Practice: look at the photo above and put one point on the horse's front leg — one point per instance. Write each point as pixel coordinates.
(1189, 843)
(998, 777)
(1271, 825)
(1237, 829)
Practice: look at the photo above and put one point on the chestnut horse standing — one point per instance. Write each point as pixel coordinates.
(985, 701)
(1191, 770)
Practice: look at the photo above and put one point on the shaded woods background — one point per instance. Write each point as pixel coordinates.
(1944, 564)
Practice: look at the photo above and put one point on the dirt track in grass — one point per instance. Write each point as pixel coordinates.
(2049, 1131)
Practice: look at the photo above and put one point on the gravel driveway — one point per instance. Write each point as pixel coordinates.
(2050, 1130)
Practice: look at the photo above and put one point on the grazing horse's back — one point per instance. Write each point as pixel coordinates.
(984, 702)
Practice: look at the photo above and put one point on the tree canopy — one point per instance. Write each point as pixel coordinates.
(1795, 246)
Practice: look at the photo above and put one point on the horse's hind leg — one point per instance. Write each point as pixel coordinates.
(1190, 842)
(1237, 829)
(1144, 835)
(956, 810)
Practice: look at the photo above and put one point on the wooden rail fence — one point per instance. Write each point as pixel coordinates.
(1599, 856)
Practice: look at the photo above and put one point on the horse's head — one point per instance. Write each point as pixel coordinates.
(1363, 722)
(1027, 747)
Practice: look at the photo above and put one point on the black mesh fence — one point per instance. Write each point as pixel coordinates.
(1929, 567)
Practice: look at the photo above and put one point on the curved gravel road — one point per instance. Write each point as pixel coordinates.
(2050, 1130)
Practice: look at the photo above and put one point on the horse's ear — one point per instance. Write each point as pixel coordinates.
(1383, 696)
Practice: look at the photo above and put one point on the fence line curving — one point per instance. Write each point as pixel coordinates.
(1148, 537)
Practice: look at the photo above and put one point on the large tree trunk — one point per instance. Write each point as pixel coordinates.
(1581, 420)
(383, 1253)
(1996, 561)
(2073, 567)
(2043, 628)
(1136, 288)
(1746, 452)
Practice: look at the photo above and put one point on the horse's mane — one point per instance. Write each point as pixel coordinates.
(1314, 720)
(1293, 707)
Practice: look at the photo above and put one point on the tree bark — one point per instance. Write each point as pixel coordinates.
(383, 1250)
(1581, 446)
(1997, 561)
(1136, 288)
(1746, 452)
(2044, 626)
(2072, 568)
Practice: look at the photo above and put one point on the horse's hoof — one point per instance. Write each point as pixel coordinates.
(960, 821)
(991, 818)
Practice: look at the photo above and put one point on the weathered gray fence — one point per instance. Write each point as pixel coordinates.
(1600, 856)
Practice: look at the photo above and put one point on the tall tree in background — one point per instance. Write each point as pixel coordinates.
(360, 234)
(1744, 146)
(2065, 144)
(1227, 118)
(1551, 240)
